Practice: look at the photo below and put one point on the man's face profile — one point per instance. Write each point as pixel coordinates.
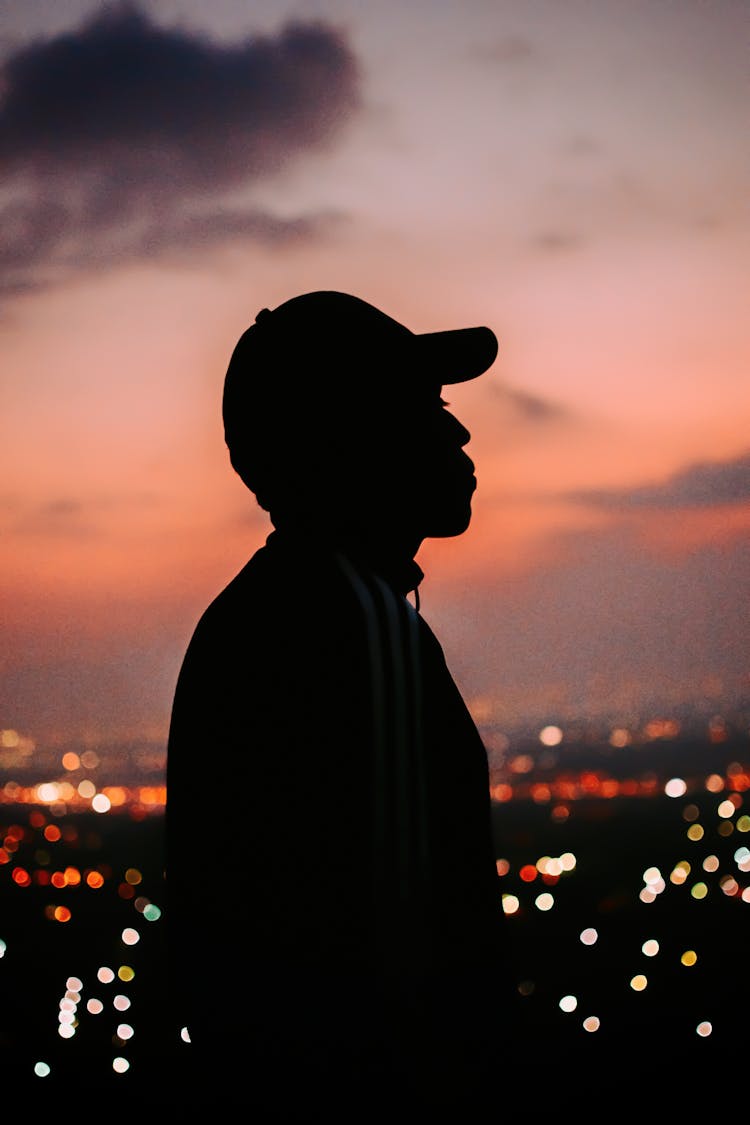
(442, 474)
(415, 477)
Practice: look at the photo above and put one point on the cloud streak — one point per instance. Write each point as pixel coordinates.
(71, 517)
(123, 137)
(703, 485)
(529, 407)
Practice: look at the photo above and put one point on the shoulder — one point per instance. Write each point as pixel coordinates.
(282, 588)
(287, 605)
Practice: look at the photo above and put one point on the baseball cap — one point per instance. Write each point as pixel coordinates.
(328, 337)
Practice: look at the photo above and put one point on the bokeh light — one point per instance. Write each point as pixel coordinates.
(680, 872)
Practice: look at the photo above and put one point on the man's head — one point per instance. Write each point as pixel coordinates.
(332, 408)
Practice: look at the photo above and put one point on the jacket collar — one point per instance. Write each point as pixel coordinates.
(400, 571)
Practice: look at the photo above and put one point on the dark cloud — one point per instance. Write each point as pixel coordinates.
(528, 406)
(705, 485)
(42, 240)
(511, 50)
(61, 507)
(69, 517)
(60, 519)
(557, 241)
(581, 145)
(124, 137)
(171, 106)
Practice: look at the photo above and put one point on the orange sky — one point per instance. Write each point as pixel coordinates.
(576, 180)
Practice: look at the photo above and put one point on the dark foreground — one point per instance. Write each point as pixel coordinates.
(638, 1021)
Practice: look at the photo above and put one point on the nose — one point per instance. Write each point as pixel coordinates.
(458, 431)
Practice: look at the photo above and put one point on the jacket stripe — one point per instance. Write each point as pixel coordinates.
(399, 784)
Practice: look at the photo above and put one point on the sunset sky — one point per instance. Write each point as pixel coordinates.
(573, 174)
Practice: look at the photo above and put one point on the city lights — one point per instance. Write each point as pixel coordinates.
(45, 848)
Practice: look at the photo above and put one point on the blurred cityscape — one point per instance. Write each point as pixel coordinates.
(624, 856)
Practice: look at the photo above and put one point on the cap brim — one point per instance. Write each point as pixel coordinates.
(459, 354)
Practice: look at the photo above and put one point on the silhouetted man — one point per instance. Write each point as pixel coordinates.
(333, 898)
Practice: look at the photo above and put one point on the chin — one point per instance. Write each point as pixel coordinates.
(449, 524)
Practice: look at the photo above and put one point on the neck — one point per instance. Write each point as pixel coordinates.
(391, 555)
